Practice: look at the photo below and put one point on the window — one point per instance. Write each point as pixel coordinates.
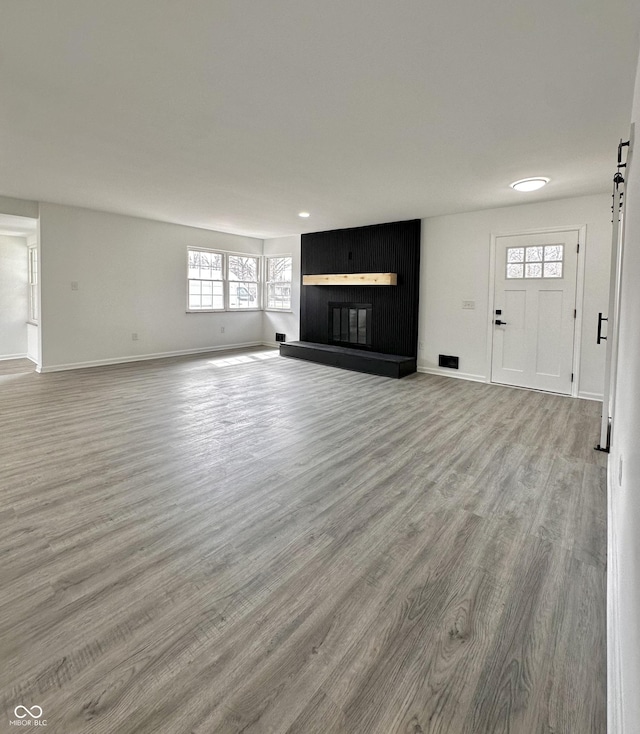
(206, 280)
(218, 281)
(536, 261)
(243, 281)
(33, 284)
(278, 281)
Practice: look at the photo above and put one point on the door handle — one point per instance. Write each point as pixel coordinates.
(601, 318)
(500, 323)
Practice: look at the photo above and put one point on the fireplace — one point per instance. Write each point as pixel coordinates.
(350, 324)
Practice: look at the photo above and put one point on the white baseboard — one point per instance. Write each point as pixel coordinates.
(615, 721)
(142, 357)
(451, 373)
(590, 396)
(12, 356)
(275, 345)
(481, 378)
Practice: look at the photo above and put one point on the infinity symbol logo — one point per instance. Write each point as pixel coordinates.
(27, 712)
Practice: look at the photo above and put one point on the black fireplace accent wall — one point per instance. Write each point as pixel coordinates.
(392, 311)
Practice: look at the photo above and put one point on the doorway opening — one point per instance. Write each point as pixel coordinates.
(19, 293)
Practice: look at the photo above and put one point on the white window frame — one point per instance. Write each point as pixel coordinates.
(257, 281)
(225, 281)
(33, 268)
(542, 262)
(267, 283)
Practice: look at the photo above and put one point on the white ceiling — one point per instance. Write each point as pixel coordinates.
(237, 114)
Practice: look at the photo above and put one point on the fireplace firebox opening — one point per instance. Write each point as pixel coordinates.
(350, 324)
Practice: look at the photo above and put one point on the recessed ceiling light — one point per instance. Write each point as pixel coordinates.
(304, 214)
(530, 184)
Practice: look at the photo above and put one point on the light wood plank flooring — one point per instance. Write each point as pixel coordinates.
(248, 543)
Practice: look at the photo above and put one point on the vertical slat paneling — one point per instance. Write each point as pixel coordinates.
(386, 248)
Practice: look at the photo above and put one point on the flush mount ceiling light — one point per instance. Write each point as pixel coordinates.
(530, 184)
(304, 214)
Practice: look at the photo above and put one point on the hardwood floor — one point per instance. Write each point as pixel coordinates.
(240, 543)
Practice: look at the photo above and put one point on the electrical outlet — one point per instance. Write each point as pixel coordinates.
(421, 345)
(222, 329)
(469, 305)
(134, 337)
(74, 285)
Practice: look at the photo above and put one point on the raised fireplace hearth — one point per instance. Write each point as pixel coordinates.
(350, 324)
(359, 360)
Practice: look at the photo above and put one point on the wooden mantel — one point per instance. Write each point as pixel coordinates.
(351, 279)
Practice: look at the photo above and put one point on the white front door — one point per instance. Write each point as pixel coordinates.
(534, 316)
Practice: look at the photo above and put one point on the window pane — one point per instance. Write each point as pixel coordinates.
(218, 295)
(205, 265)
(33, 283)
(553, 270)
(33, 265)
(205, 295)
(272, 268)
(514, 271)
(533, 270)
(206, 269)
(214, 270)
(194, 264)
(287, 269)
(515, 254)
(534, 254)
(553, 252)
(279, 296)
(243, 268)
(279, 269)
(243, 295)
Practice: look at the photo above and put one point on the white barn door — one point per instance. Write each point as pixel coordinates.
(534, 310)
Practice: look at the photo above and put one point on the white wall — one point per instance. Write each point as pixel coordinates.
(131, 276)
(19, 207)
(281, 322)
(13, 297)
(624, 474)
(455, 267)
